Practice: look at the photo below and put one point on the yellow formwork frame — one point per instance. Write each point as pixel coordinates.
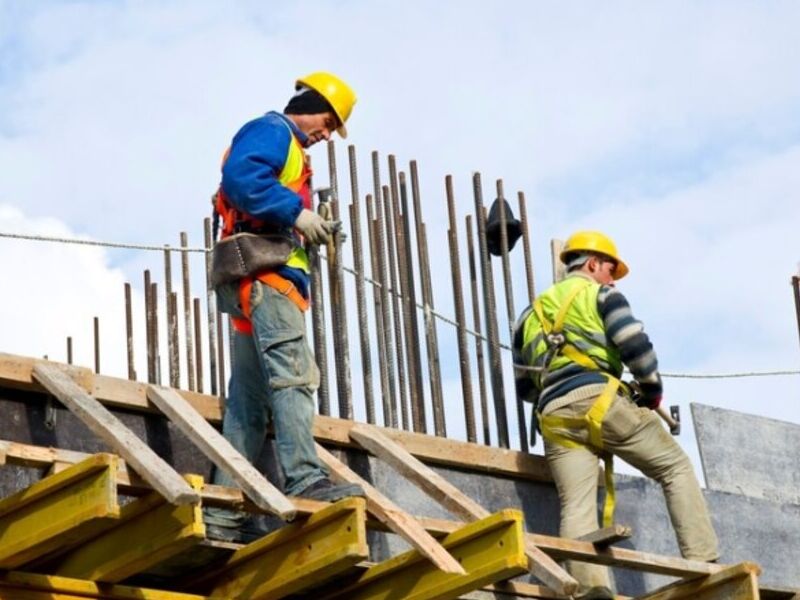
(150, 530)
(328, 544)
(59, 511)
(30, 586)
(738, 582)
(490, 550)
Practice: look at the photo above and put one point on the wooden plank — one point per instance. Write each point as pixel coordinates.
(295, 557)
(17, 372)
(608, 535)
(220, 451)
(458, 503)
(490, 550)
(737, 582)
(99, 419)
(59, 511)
(393, 516)
(31, 586)
(149, 531)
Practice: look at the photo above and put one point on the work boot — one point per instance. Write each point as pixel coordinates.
(325, 491)
(598, 592)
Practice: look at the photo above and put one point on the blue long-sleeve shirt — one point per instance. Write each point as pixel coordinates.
(250, 177)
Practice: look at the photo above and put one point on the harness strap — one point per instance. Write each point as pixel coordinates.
(276, 282)
(593, 421)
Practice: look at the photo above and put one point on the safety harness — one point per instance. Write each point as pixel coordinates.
(557, 343)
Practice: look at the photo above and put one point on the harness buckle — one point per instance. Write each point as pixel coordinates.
(555, 340)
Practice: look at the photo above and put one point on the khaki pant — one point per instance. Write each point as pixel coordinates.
(637, 436)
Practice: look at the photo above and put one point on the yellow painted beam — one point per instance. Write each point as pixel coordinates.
(490, 550)
(59, 511)
(295, 557)
(30, 586)
(150, 530)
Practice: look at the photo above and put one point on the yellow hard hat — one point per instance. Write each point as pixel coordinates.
(338, 94)
(594, 241)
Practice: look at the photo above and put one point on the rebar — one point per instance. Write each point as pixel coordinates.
(187, 311)
(198, 347)
(495, 365)
(390, 412)
(148, 321)
(458, 298)
(96, 345)
(319, 330)
(156, 349)
(221, 355)
(796, 288)
(129, 332)
(476, 325)
(380, 330)
(172, 336)
(341, 344)
(431, 340)
(391, 236)
(512, 316)
(410, 322)
(526, 246)
(211, 306)
(361, 301)
(69, 350)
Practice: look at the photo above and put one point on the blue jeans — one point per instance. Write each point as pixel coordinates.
(274, 378)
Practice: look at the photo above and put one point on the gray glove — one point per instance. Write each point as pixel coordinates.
(313, 227)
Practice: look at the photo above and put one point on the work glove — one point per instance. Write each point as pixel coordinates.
(314, 227)
(646, 394)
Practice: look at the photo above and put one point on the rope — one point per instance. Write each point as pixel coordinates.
(441, 317)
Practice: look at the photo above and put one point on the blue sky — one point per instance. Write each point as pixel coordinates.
(673, 126)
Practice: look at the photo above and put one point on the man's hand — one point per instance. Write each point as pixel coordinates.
(314, 227)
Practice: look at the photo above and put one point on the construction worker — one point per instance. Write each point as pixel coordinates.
(265, 191)
(572, 342)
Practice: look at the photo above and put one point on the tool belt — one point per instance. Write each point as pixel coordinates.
(245, 254)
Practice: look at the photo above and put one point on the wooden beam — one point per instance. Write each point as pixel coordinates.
(17, 372)
(393, 516)
(220, 451)
(110, 429)
(490, 550)
(458, 503)
(738, 582)
(59, 511)
(608, 535)
(31, 586)
(149, 531)
(295, 557)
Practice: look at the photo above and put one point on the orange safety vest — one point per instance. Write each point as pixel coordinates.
(295, 175)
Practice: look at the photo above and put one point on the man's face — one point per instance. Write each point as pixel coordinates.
(601, 269)
(317, 127)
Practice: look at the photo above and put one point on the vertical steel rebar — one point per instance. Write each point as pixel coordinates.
(96, 345)
(173, 351)
(148, 320)
(69, 350)
(392, 231)
(495, 363)
(410, 314)
(380, 331)
(511, 312)
(221, 355)
(129, 331)
(341, 342)
(172, 335)
(361, 298)
(431, 339)
(211, 306)
(796, 289)
(476, 323)
(383, 277)
(198, 347)
(526, 246)
(458, 299)
(187, 311)
(318, 327)
(156, 348)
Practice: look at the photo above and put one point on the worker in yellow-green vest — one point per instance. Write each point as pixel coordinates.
(261, 277)
(572, 343)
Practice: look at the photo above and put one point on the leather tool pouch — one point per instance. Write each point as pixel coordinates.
(245, 254)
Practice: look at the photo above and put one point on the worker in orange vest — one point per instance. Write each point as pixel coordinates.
(264, 206)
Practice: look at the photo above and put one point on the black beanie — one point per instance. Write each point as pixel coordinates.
(308, 102)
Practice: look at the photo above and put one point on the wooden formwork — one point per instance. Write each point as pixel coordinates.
(94, 547)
